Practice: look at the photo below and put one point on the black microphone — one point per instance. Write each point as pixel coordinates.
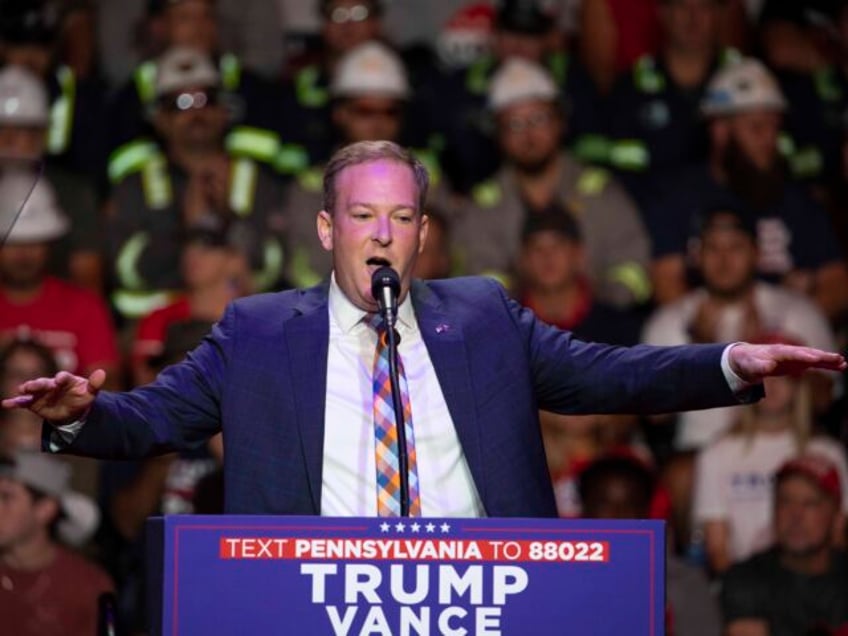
(385, 288)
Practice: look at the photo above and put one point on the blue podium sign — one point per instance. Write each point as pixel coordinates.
(408, 577)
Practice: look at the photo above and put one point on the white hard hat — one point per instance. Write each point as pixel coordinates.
(371, 68)
(23, 98)
(519, 80)
(180, 68)
(742, 86)
(40, 219)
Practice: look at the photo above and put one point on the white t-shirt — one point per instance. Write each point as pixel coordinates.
(734, 483)
(780, 310)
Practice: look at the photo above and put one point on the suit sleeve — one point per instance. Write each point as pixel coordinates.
(180, 410)
(572, 376)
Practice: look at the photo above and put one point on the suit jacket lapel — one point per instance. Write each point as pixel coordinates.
(307, 337)
(447, 348)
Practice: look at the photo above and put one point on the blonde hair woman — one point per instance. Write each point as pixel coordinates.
(734, 475)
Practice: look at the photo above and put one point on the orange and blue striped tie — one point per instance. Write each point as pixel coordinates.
(385, 431)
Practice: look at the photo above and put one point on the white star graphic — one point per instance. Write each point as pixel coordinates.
(445, 527)
(430, 527)
(399, 526)
(415, 527)
(384, 527)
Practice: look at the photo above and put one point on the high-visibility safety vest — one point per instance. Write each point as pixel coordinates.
(132, 298)
(633, 155)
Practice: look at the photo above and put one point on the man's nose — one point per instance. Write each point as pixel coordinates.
(382, 230)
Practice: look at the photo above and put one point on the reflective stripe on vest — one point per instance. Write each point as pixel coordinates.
(145, 81)
(300, 271)
(307, 90)
(827, 86)
(477, 76)
(629, 154)
(431, 163)
(785, 144)
(312, 180)
(291, 159)
(592, 148)
(156, 183)
(634, 277)
(592, 181)
(229, 67)
(258, 143)
(502, 277)
(807, 162)
(130, 158)
(136, 304)
(557, 65)
(646, 76)
(272, 268)
(487, 194)
(243, 175)
(62, 112)
(126, 264)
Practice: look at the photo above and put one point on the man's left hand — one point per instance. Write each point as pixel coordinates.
(752, 363)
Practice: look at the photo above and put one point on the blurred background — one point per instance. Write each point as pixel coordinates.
(657, 171)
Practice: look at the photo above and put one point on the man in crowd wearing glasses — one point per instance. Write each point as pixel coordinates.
(171, 187)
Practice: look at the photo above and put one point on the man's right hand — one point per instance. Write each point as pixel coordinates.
(59, 400)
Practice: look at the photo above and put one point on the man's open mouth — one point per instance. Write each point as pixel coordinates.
(376, 261)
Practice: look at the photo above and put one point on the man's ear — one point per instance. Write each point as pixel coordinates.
(422, 232)
(46, 510)
(324, 223)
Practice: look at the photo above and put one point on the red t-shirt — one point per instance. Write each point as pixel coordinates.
(637, 22)
(59, 600)
(73, 322)
(152, 329)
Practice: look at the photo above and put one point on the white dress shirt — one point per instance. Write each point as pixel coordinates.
(349, 475)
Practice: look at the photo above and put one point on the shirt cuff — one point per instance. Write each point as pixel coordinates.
(737, 385)
(64, 435)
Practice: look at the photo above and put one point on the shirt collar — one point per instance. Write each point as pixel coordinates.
(347, 315)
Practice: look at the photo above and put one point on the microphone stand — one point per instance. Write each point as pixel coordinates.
(392, 339)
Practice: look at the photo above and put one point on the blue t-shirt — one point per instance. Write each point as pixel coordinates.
(794, 234)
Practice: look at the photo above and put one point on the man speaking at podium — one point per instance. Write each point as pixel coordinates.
(296, 380)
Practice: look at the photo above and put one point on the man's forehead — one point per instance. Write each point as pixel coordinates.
(378, 182)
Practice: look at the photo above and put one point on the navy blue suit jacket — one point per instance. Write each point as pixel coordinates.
(261, 376)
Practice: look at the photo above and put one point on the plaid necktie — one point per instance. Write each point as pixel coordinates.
(385, 431)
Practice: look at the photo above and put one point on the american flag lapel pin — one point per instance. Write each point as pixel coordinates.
(442, 327)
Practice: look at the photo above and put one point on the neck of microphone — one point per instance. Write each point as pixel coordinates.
(385, 288)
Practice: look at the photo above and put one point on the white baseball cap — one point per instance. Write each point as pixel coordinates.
(51, 477)
(742, 86)
(23, 98)
(181, 67)
(371, 68)
(519, 80)
(40, 220)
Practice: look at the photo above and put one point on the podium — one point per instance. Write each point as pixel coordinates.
(238, 575)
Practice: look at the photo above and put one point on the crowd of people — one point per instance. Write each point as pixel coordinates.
(657, 171)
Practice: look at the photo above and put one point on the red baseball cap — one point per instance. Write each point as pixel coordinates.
(818, 469)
